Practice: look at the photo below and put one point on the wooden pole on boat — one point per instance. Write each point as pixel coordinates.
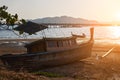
(91, 33)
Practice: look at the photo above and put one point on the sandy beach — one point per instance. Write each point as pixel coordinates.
(93, 68)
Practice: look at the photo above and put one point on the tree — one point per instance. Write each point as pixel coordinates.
(9, 19)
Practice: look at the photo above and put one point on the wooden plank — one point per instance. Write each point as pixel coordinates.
(107, 53)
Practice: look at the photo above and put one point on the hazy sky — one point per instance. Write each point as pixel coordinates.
(101, 10)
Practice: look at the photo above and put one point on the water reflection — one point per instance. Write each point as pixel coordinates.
(107, 35)
(115, 31)
(112, 32)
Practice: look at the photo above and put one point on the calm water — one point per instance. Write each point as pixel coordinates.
(111, 32)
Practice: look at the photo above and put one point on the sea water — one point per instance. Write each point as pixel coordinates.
(100, 33)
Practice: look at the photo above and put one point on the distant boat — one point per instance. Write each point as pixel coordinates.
(79, 36)
(48, 52)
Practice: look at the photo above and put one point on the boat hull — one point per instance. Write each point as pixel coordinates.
(47, 59)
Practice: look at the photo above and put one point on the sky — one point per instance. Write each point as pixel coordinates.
(100, 10)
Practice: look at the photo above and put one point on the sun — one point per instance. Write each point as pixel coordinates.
(117, 16)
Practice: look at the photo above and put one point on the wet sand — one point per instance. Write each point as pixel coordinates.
(93, 68)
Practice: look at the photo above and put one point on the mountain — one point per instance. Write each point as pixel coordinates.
(64, 19)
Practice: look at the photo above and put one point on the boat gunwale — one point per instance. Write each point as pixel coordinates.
(49, 39)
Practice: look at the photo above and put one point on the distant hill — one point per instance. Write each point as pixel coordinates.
(64, 19)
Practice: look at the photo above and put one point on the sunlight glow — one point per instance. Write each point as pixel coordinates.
(117, 16)
(116, 31)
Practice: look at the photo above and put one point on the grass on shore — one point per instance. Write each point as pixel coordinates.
(47, 74)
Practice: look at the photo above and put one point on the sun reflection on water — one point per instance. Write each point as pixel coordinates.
(107, 35)
(115, 31)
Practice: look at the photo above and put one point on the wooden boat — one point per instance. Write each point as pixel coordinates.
(49, 52)
(79, 36)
